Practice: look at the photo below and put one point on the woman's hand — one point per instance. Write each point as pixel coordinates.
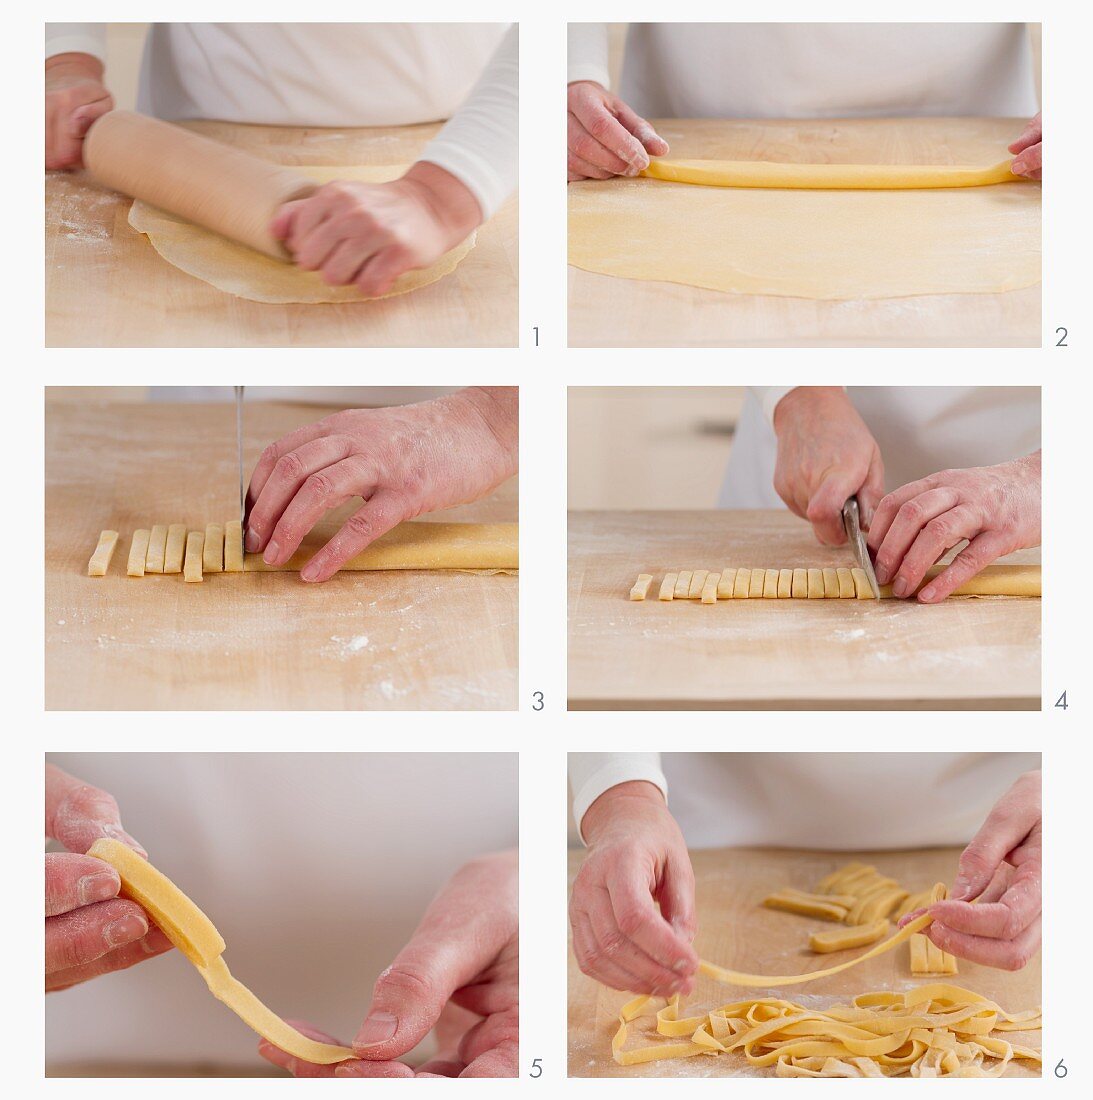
(75, 97)
(826, 454)
(459, 975)
(369, 234)
(632, 907)
(604, 137)
(996, 508)
(1029, 148)
(1001, 871)
(403, 461)
(89, 930)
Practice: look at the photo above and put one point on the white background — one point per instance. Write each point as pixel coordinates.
(543, 373)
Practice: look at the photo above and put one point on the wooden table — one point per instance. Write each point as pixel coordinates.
(106, 286)
(784, 654)
(403, 640)
(608, 312)
(735, 931)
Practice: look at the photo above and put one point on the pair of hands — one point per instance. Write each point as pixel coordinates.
(364, 234)
(826, 454)
(605, 138)
(402, 461)
(632, 906)
(459, 974)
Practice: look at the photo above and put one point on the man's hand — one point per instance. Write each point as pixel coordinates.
(75, 97)
(1001, 871)
(632, 907)
(996, 508)
(604, 137)
(1029, 148)
(459, 974)
(826, 454)
(369, 234)
(403, 461)
(89, 929)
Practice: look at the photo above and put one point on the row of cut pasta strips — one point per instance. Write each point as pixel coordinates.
(837, 583)
(863, 899)
(172, 548)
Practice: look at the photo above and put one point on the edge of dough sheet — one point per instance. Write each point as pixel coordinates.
(235, 269)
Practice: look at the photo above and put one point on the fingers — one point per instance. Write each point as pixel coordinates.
(288, 474)
(1032, 134)
(677, 897)
(67, 126)
(86, 934)
(78, 814)
(580, 169)
(297, 1066)
(872, 491)
(264, 468)
(586, 148)
(1015, 817)
(905, 528)
(155, 943)
(610, 137)
(73, 881)
(378, 275)
(370, 1068)
(491, 1048)
(888, 509)
(1002, 954)
(594, 962)
(973, 559)
(1029, 163)
(281, 225)
(825, 507)
(386, 509)
(1004, 919)
(653, 143)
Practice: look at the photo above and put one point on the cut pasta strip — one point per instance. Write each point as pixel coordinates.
(138, 553)
(846, 584)
(191, 931)
(641, 586)
(824, 906)
(709, 589)
(742, 585)
(926, 956)
(104, 551)
(756, 583)
(233, 546)
(831, 584)
(726, 583)
(799, 590)
(195, 543)
(176, 548)
(668, 586)
(770, 584)
(854, 935)
(157, 548)
(785, 584)
(698, 581)
(815, 584)
(683, 583)
(212, 554)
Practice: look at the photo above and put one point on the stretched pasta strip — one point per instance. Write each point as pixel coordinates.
(187, 927)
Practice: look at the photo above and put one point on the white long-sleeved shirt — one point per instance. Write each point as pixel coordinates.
(816, 70)
(841, 801)
(340, 75)
(315, 867)
(920, 430)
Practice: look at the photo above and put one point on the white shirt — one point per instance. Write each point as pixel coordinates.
(847, 801)
(339, 75)
(316, 868)
(920, 430)
(816, 70)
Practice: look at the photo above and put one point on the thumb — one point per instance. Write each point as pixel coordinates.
(411, 993)
(78, 814)
(825, 507)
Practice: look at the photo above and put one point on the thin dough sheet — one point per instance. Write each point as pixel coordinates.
(813, 244)
(236, 269)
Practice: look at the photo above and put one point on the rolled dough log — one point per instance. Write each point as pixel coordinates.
(241, 271)
(494, 546)
(846, 244)
(187, 927)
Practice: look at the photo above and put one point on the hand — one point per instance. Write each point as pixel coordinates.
(459, 974)
(1029, 148)
(1001, 870)
(604, 137)
(369, 234)
(996, 508)
(403, 461)
(89, 929)
(75, 97)
(826, 454)
(632, 907)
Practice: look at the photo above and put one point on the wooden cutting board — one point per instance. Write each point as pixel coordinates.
(608, 312)
(979, 653)
(735, 931)
(106, 286)
(402, 640)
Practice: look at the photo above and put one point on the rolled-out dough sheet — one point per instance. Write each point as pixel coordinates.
(241, 271)
(821, 244)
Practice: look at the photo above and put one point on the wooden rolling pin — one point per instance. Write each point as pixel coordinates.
(210, 184)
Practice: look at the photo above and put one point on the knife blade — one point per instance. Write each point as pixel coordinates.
(239, 455)
(852, 525)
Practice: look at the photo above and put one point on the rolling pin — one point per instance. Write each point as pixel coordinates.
(210, 184)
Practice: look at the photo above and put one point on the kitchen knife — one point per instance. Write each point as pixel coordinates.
(852, 524)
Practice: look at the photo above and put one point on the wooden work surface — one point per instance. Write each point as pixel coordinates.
(743, 654)
(106, 286)
(609, 312)
(735, 931)
(401, 640)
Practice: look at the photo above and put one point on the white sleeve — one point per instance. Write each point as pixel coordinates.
(76, 38)
(592, 773)
(768, 397)
(480, 143)
(588, 53)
